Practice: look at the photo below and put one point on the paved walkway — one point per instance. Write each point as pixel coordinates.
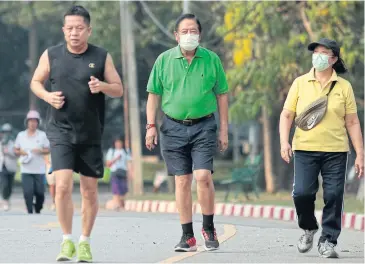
(129, 237)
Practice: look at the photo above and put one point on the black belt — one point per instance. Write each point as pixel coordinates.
(190, 122)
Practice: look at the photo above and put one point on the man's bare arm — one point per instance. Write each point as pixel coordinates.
(223, 111)
(151, 107)
(41, 74)
(113, 86)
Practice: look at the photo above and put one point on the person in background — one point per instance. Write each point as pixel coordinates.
(51, 180)
(8, 164)
(321, 148)
(117, 159)
(31, 145)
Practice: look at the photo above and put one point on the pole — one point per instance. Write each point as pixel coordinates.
(131, 81)
(33, 53)
(186, 6)
(126, 116)
(124, 53)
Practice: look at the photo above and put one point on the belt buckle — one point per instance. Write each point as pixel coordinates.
(187, 122)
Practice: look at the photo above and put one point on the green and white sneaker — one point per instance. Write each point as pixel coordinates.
(84, 252)
(68, 251)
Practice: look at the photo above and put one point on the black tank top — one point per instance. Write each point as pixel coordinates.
(81, 119)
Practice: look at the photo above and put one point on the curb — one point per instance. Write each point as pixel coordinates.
(349, 220)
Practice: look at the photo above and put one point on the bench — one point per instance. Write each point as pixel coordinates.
(244, 178)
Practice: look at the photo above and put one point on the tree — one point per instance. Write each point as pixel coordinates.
(267, 55)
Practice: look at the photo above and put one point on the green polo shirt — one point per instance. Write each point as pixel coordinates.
(188, 91)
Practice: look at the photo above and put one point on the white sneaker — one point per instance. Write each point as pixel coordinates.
(327, 250)
(305, 243)
(6, 206)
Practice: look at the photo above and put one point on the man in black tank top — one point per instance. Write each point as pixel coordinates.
(81, 75)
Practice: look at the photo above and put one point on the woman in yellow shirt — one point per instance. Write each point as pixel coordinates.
(323, 148)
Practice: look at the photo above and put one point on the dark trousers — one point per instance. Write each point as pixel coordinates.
(6, 183)
(33, 185)
(307, 166)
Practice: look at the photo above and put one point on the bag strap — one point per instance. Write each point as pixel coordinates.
(332, 85)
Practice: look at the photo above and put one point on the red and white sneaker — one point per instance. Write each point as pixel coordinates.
(186, 244)
(211, 240)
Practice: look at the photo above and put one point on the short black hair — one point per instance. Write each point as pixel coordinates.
(188, 16)
(119, 137)
(79, 11)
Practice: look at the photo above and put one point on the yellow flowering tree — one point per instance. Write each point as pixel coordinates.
(266, 43)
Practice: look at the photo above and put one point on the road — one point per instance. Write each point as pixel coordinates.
(127, 237)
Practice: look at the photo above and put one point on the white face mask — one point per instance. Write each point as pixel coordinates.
(320, 61)
(189, 42)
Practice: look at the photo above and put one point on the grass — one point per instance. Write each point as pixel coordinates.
(279, 199)
(222, 170)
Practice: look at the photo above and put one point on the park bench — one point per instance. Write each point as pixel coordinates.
(244, 179)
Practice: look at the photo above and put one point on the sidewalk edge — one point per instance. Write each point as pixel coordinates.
(349, 220)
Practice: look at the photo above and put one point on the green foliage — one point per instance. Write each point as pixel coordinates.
(105, 24)
(15, 22)
(246, 106)
(277, 40)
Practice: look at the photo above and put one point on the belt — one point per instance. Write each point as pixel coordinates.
(190, 122)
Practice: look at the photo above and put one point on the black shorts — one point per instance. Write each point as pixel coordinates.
(188, 148)
(86, 159)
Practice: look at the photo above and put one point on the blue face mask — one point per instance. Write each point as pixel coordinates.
(320, 61)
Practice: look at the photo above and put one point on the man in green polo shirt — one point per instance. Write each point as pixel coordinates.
(191, 84)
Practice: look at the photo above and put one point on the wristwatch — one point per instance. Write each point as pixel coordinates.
(148, 126)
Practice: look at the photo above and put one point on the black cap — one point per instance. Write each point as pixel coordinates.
(328, 43)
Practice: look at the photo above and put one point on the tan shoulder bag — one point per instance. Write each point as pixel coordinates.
(313, 114)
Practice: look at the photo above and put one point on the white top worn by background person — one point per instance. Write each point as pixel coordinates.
(36, 163)
(121, 163)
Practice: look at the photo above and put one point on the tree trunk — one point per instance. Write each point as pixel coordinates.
(236, 143)
(33, 53)
(128, 41)
(283, 172)
(360, 191)
(126, 117)
(269, 175)
(306, 23)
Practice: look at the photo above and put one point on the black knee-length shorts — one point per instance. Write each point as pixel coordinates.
(86, 159)
(188, 148)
